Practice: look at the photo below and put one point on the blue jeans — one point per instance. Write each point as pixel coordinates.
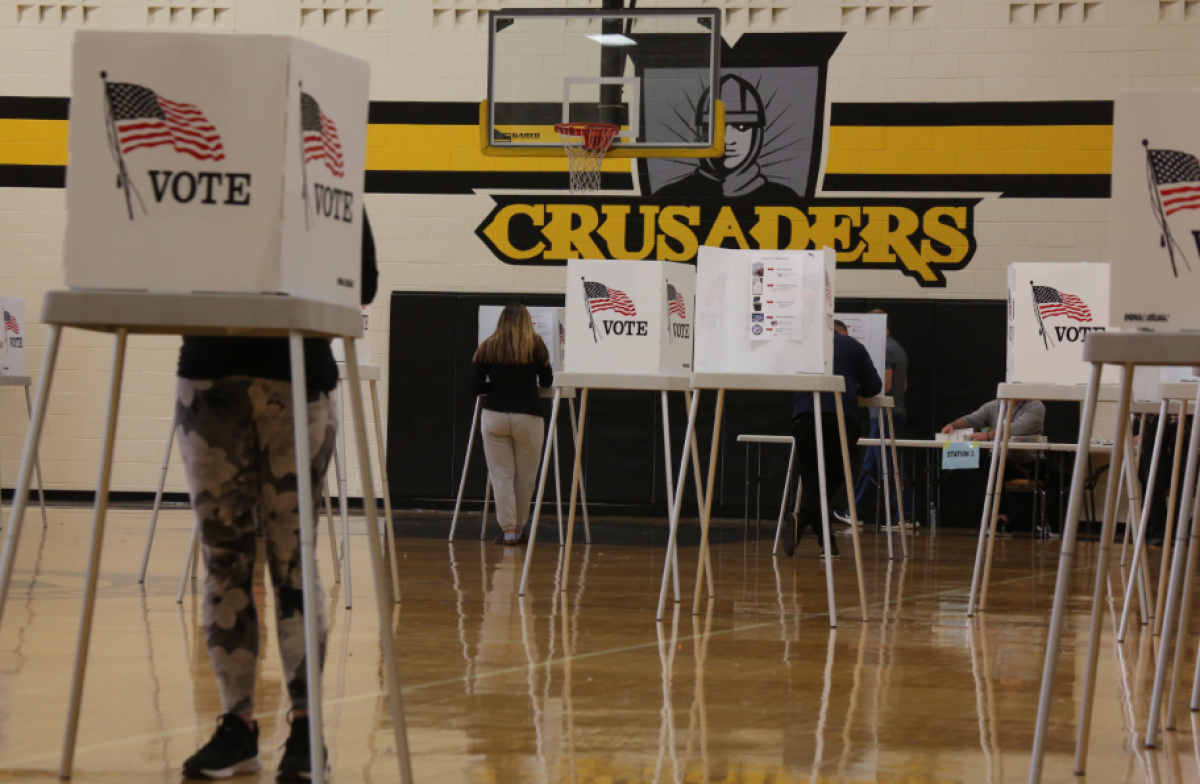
(870, 471)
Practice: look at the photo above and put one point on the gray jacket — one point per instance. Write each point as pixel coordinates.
(1029, 419)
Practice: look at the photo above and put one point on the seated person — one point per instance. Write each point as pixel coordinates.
(1029, 418)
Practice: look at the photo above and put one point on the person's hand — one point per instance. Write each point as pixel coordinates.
(987, 435)
(948, 429)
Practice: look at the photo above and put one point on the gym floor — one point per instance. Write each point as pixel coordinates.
(585, 686)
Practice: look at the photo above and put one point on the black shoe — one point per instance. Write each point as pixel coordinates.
(295, 766)
(232, 751)
(833, 549)
(791, 534)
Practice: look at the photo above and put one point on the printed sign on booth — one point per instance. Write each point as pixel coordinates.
(1052, 308)
(12, 355)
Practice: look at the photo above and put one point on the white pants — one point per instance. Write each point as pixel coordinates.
(512, 444)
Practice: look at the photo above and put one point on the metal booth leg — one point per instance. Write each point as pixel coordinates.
(1186, 508)
(16, 519)
(577, 435)
(787, 486)
(487, 495)
(699, 480)
(989, 499)
(706, 517)
(93, 569)
(1140, 567)
(1006, 436)
(390, 531)
(552, 434)
(688, 448)
(462, 482)
(1121, 454)
(862, 586)
(37, 466)
(576, 480)
(158, 495)
(1133, 521)
(189, 559)
(666, 412)
(339, 473)
(390, 665)
(1062, 585)
(541, 490)
(885, 485)
(896, 475)
(821, 481)
(332, 529)
(1168, 533)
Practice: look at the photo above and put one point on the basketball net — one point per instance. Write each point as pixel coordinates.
(585, 145)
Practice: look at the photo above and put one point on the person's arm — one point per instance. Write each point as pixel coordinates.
(978, 419)
(1030, 420)
(887, 381)
(869, 384)
(957, 424)
(370, 270)
(546, 375)
(479, 382)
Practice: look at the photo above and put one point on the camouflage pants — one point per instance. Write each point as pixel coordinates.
(236, 438)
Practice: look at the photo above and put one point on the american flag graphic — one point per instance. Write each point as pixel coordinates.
(828, 291)
(1052, 302)
(143, 118)
(10, 324)
(320, 136)
(1177, 175)
(675, 302)
(601, 297)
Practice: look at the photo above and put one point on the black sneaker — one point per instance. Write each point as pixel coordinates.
(295, 766)
(232, 751)
(833, 550)
(791, 534)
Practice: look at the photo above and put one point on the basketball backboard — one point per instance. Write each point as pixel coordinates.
(550, 66)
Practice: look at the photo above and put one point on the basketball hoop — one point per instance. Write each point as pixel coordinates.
(585, 145)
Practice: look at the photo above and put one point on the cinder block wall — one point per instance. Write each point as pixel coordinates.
(907, 52)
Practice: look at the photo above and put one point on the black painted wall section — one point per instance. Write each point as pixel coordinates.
(956, 355)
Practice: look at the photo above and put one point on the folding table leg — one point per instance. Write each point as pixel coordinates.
(841, 418)
(541, 490)
(896, 475)
(706, 517)
(1005, 437)
(339, 473)
(332, 529)
(390, 664)
(158, 496)
(1138, 464)
(1133, 518)
(1139, 547)
(189, 559)
(989, 499)
(1185, 617)
(576, 479)
(97, 544)
(666, 412)
(16, 518)
(821, 481)
(390, 532)
(1108, 527)
(37, 466)
(673, 524)
(552, 434)
(884, 483)
(787, 486)
(1186, 508)
(577, 435)
(462, 482)
(1169, 531)
(1062, 585)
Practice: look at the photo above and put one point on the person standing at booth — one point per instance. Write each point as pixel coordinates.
(852, 362)
(507, 369)
(236, 435)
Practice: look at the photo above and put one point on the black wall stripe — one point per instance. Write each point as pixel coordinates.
(423, 113)
(27, 108)
(1009, 186)
(994, 113)
(18, 176)
(465, 182)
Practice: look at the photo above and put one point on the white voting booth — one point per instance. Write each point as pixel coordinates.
(870, 329)
(12, 366)
(764, 322)
(631, 327)
(1155, 283)
(216, 189)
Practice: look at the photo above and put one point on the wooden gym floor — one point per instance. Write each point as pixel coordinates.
(586, 687)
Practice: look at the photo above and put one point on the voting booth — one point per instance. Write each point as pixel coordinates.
(630, 317)
(170, 140)
(1052, 308)
(870, 329)
(547, 323)
(767, 312)
(12, 355)
(1154, 250)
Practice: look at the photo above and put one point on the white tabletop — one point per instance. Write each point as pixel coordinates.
(1074, 393)
(647, 381)
(879, 401)
(258, 315)
(1151, 407)
(1179, 390)
(1143, 348)
(1021, 446)
(769, 382)
(365, 372)
(748, 439)
(15, 381)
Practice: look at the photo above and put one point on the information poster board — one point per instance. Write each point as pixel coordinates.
(1052, 307)
(870, 329)
(547, 323)
(630, 317)
(1154, 245)
(12, 355)
(730, 328)
(215, 163)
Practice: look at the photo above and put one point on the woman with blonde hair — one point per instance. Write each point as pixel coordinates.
(507, 369)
